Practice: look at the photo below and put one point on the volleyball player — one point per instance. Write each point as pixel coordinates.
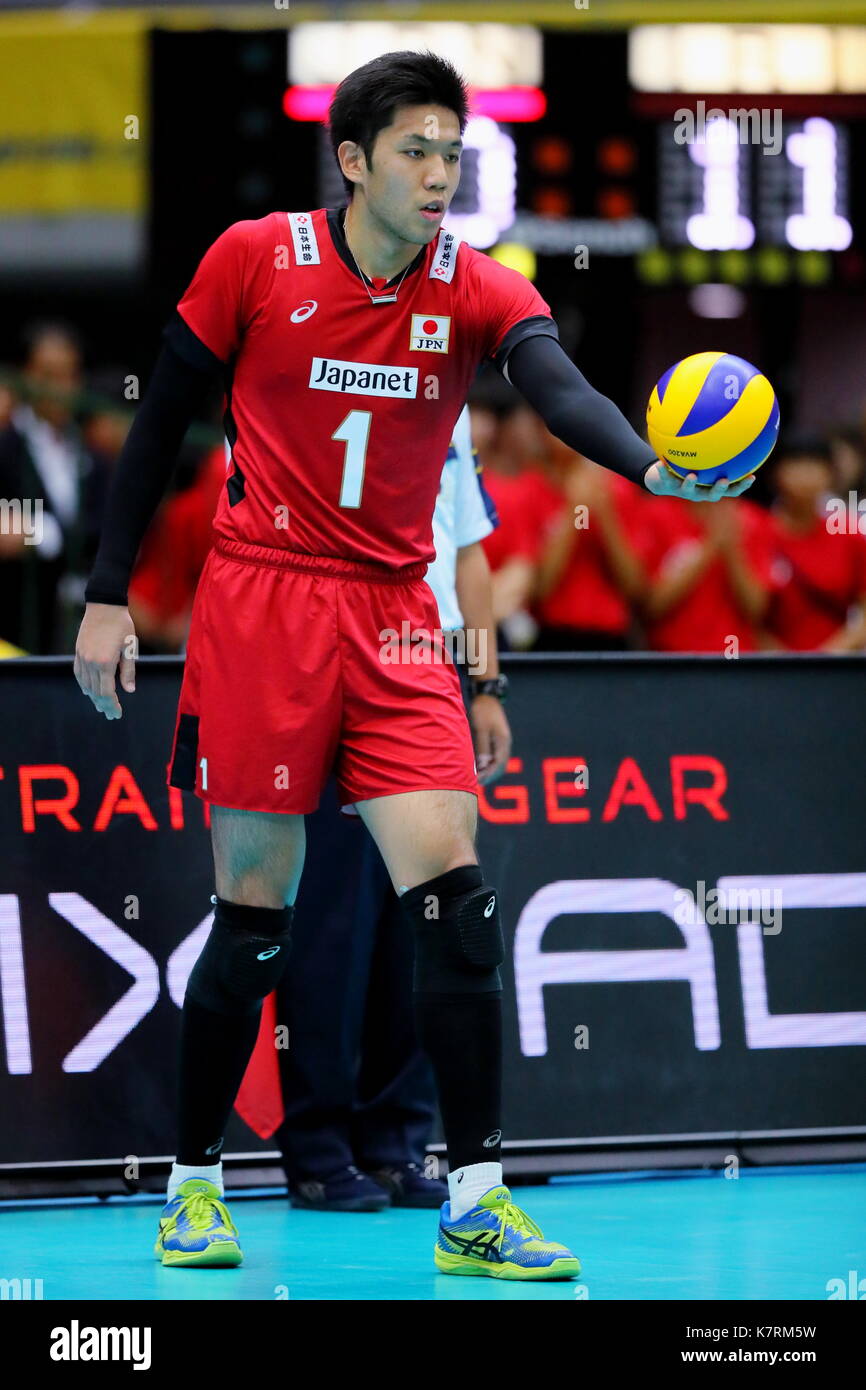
(348, 341)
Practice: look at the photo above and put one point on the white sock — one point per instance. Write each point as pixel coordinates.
(179, 1174)
(466, 1185)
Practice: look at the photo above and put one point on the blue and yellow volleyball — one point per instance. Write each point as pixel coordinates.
(715, 415)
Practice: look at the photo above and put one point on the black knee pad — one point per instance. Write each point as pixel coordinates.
(243, 958)
(458, 936)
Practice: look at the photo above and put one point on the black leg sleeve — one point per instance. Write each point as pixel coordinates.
(217, 1039)
(460, 1025)
(462, 1035)
(215, 1050)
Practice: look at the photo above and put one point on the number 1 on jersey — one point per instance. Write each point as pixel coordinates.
(354, 431)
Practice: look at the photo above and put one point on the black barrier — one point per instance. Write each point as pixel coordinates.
(679, 848)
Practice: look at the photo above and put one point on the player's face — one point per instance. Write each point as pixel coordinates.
(415, 173)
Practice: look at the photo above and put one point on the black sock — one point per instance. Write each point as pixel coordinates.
(215, 1049)
(462, 1035)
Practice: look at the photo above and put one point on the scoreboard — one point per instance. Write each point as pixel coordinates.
(662, 176)
(719, 191)
(589, 157)
(567, 148)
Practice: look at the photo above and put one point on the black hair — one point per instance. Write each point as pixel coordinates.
(799, 446)
(366, 100)
(38, 330)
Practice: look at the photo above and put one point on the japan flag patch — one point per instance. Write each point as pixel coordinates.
(429, 333)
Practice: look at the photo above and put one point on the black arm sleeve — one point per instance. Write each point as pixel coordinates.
(184, 373)
(574, 411)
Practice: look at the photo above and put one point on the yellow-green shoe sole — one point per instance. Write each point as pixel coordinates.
(447, 1263)
(223, 1256)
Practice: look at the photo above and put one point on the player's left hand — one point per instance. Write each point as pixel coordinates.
(660, 481)
(491, 735)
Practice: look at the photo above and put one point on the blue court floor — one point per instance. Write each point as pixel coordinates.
(771, 1234)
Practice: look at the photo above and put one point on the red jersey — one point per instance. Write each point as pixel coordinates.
(341, 410)
(175, 547)
(587, 595)
(819, 575)
(709, 614)
(525, 503)
(542, 502)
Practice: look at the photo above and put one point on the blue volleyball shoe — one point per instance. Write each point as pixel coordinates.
(498, 1240)
(195, 1228)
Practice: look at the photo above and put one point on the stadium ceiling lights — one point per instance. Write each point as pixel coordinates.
(800, 58)
(498, 56)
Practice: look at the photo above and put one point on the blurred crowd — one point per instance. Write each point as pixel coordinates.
(61, 433)
(581, 560)
(584, 561)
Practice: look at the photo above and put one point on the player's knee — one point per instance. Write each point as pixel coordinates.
(243, 959)
(458, 936)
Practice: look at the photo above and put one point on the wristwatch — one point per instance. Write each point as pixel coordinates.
(497, 686)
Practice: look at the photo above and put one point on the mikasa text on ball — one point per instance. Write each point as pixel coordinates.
(715, 415)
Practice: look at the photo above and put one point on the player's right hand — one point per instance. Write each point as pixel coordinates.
(661, 481)
(106, 639)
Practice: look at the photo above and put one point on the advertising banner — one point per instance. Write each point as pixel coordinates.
(679, 849)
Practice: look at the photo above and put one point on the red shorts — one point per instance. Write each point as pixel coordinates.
(295, 667)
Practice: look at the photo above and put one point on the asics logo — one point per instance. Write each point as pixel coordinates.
(266, 955)
(483, 1245)
(214, 1148)
(488, 911)
(492, 1139)
(304, 311)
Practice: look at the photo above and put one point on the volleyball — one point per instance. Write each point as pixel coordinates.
(715, 415)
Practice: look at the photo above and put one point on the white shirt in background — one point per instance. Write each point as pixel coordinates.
(462, 516)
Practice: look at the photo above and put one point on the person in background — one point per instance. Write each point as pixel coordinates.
(173, 552)
(819, 598)
(589, 573)
(8, 401)
(106, 417)
(7, 405)
(44, 464)
(520, 493)
(847, 445)
(709, 576)
(484, 426)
